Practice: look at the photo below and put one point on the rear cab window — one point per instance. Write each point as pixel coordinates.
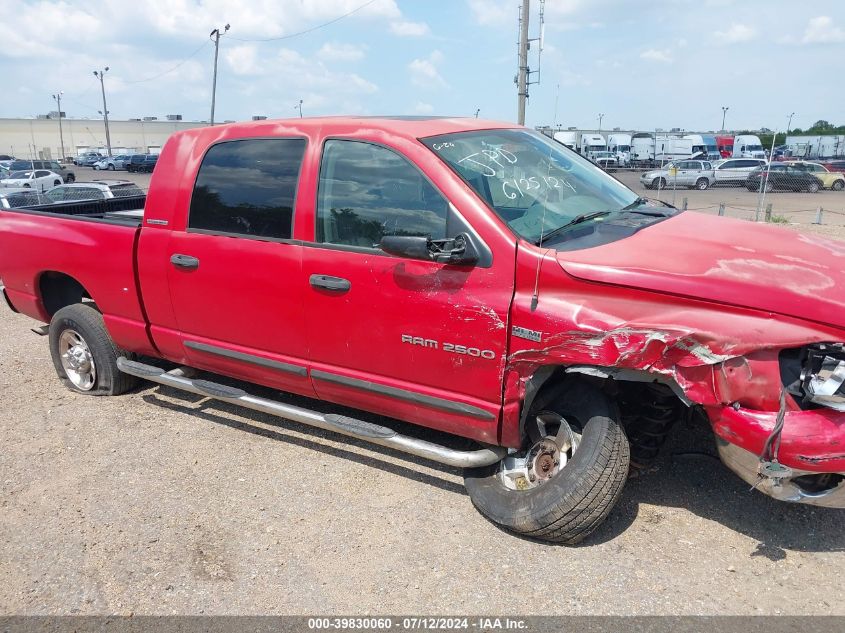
(247, 188)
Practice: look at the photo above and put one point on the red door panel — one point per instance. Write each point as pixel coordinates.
(240, 310)
(420, 341)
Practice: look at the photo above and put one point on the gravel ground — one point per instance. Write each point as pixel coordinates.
(158, 502)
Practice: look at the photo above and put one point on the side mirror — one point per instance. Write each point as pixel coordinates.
(457, 251)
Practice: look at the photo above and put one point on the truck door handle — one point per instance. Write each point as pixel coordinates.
(184, 261)
(328, 282)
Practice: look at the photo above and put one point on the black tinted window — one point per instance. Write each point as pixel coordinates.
(248, 187)
(367, 192)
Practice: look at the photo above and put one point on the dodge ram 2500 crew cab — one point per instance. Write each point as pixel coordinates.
(468, 276)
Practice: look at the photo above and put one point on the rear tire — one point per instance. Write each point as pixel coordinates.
(813, 187)
(71, 178)
(84, 355)
(839, 185)
(576, 499)
(111, 167)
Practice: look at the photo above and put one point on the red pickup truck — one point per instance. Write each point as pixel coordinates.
(468, 276)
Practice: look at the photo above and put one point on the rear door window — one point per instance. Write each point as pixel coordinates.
(367, 191)
(247, 187)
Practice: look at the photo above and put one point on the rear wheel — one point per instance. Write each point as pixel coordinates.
(83, 353)
(569, 474)
(839, 185)
(56, 183)
(702, 184)
(71, 178)
(111, 167)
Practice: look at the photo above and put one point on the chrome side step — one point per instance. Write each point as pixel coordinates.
(341, 424)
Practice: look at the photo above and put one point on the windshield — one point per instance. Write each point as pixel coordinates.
(533, 183)
(754, 148)
(20, 175)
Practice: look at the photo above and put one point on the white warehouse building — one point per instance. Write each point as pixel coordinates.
(39, 138)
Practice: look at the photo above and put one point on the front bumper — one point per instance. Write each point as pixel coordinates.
(812, 444)
(745, 464)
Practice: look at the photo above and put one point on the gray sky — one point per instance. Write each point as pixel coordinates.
(664, 63)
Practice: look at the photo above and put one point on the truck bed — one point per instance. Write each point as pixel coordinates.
(125, 210)
(93, 242)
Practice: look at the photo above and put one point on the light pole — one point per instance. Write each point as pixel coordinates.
(477, 111)
(215, 37)
(724, 111)
(58, 98)
(99, 75)
(789, 125)
(601, 116)
(299, 106)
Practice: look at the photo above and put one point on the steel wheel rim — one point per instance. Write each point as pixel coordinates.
(77, 360)
(545, 458)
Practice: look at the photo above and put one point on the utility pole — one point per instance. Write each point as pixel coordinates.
(724, 111)
(105, 112)
(215, 37)
(299, 105)
(601, 116)
(58, 98)
(522, 76)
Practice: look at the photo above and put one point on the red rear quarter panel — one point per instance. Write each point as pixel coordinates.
(98, 255)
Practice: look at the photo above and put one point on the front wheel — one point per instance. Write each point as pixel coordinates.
(569, 474)
(111, 167)
(813, 187)
(658, 183)
(71, 178)
(83, 353)
(702, 183)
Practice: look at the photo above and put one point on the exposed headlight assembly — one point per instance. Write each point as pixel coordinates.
(823, 376)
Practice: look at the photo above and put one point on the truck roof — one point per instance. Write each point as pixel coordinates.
(408, 126)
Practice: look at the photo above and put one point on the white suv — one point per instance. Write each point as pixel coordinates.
(734, 171)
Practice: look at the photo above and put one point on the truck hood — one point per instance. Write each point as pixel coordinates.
(723, 260)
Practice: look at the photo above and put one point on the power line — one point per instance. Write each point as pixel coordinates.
(312, 29)
(170, 70)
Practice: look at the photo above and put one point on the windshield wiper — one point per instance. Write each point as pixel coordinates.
(578, 219)
(639, 202)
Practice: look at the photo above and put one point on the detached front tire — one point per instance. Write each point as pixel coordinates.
(84, 355)
(568, 476)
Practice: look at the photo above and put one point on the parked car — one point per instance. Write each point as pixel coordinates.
(25, 165)
(38, 179)
(783, 177)
(829, 179)
(149, 163)
(606, 160)
(112, 163)
(475, 278)
(13, 198)
(88, 159)
(95, 190)
(6, 157)
(135, 162)
(684, 173)
(734, 171)
(836, 166)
